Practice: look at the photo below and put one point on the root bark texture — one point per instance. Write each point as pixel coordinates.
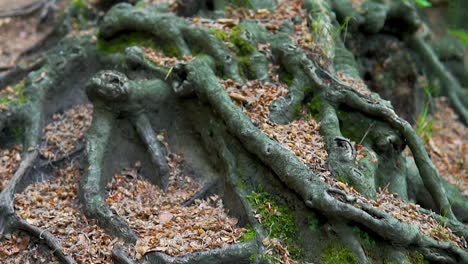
(136, 87)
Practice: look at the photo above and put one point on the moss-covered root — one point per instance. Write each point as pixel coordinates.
(165, 27)
(173, 32)
(237, 253)
(214, 138)
(371, 16)
(210, 7)
(287, 108)
(450, 86)
(322, 22)
(154, 147)
(341, 94)
(8, 218)
(120, 257)
(342, 154)
(10, 222)
(113, 94)
(135, 58)
(429, 174)
(30, 114)
(299, 178)
(348, 237)
(91, 186)
(51, 241)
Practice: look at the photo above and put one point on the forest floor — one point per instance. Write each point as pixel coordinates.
(159, 218)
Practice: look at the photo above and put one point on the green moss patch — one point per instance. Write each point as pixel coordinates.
(278, 220)
(120, 42)
(249, 235)
(242, 45)
(314, 106)
(219, 34)
(335, 253)
(12, 95)
(417, 258)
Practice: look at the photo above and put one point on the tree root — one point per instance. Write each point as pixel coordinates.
(147, 133)
(90, 191)
(215, 139)
(114, 95)
(239, 253)
(450, 86)
(49, 239)
(9, 222)
(296, 175)
(120, 257)
(200, 194)
(26, 10)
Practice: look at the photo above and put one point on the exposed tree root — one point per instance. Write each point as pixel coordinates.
(325, 72)
(120, 257)
(450, 86)
(27, 9)
(49, 239)
(200, 194)
(293, 173)
(238, 253)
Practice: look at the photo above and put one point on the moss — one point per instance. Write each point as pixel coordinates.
(242, 45)
(15, 97)
(119, 43)
(241, 3)
(286, 77)
(314, 224)
(245, 66)
(337, 253)
(417, 258)
(366, 239)
(277, 219)
(80, 5)
(314, 106)
(219, 34)
(249, 235)
(81, 12)
(253, 258)
(17, 133)
(461, 35)
(298, 111)
(140, 4)
(342, 179)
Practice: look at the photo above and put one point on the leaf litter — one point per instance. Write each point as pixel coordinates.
(66, 132)
(160, 220)
(302, 138)
(9, 161)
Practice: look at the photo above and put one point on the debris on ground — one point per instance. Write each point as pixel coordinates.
(53, 206)
(301, 137)
(448, 145)
(9, 162)
(161, 221)
(66, 132)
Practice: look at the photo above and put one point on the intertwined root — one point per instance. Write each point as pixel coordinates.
(323, 70)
